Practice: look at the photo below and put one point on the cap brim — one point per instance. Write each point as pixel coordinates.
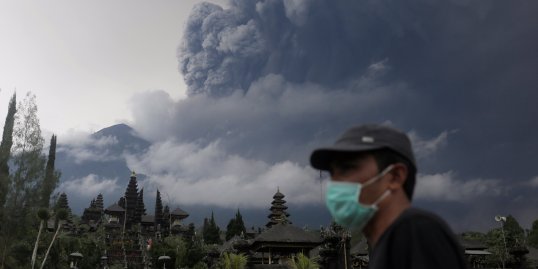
(321, 158)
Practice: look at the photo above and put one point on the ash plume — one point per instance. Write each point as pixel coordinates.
(269, 80)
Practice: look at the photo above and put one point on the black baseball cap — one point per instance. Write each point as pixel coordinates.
(364, 138)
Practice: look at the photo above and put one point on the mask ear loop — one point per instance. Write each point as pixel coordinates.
(383, 196)
(380, 175)
(388, 191)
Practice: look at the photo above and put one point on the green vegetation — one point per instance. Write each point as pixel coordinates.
(235, 226)
(233, 261)
(510, 234)
(5, 153)
(532, 239)
(301, 261)
(211, 231)
(24, 186)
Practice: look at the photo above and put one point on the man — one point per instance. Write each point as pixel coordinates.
(373, 172)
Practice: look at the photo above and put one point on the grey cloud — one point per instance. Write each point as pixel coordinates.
(89, 186)
(275, 120)
(82, 147)
(446, 187)
(195, 175)
(268, 81)
(533, 182)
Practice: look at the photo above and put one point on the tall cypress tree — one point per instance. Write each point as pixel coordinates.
(205, 228)
(166, 219)
(5, 152)
(533, 235)
(158, 210)
(212, 232)
(235, 226)
(51, 176)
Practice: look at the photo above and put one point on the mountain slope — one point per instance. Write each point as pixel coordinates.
(97, 164)
(95, 160)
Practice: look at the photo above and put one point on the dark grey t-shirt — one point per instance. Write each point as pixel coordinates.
(417, 239)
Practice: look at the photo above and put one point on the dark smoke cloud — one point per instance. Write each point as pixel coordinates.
(322, 42)
(270, 80)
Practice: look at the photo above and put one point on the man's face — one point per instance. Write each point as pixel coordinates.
(360, 169)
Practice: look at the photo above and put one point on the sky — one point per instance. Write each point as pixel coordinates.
(239, 94)
(85, 59)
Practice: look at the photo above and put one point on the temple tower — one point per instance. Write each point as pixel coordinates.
(278, 210)
(131, 198)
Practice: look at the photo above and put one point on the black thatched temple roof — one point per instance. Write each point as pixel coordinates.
(114, 208)
(147, 219)
(178, 212)
(286, 236)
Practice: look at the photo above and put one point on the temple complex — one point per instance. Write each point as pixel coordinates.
(128, 228)
(129, 233)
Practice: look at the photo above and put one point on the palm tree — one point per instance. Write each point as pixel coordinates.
(43, 215)
(301, 261)
(234, 261)
(61, 215)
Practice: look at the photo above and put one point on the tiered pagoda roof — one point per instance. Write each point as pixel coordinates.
(278, 210)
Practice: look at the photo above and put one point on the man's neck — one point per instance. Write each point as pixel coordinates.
(385, 216)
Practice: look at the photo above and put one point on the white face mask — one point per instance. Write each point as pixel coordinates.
(342, 200)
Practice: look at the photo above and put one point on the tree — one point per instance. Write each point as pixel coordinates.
(28, 160)
(5, 152)
(25, 179)
(515, 235)
(158, 210)
(236, 226)
(205, 228)
(211, 231)
(51, 176)
(495, 243)
(533, 235)
(195, 252)
(166, 220)
(503, 242)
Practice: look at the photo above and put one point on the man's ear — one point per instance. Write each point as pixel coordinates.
(399, 175)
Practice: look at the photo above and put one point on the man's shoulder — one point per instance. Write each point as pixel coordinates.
(420, 239)
(415, 222)
(417, 216)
